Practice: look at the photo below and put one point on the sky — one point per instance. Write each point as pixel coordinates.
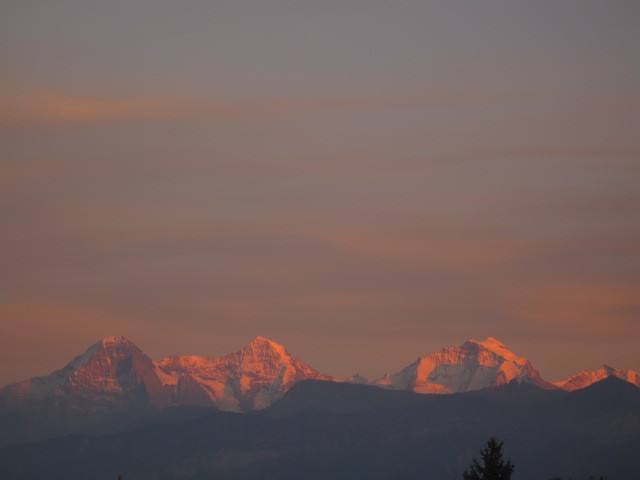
(363, 182)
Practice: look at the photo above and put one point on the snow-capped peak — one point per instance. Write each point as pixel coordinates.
(492, 341)
(109, 370)
(107, 343)
(115, 340)
(251, 378)
(473, 365)
(584, 379)
(261, 339)
(496, 346)
(261, 348)
(261, 343)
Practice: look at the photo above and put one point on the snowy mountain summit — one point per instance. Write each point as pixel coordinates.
(114, 384)
(250, 379)
(114, 374)
(472, 366)
(584, 379)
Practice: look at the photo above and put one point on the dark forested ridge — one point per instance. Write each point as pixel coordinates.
(327, 430)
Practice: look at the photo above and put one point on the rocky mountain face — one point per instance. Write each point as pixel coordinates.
(109, 385)
(114, 374)
(472, 366)
(114, 384)
(584, 379)
(250, 379)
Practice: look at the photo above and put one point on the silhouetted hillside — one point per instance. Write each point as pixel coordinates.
(431, 439)
(337, 397)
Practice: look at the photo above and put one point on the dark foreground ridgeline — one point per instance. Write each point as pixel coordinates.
(323, 430)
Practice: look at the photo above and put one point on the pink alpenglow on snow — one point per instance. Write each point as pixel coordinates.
(584, 379)
(250, 379)
(472, 366)
(115, 373)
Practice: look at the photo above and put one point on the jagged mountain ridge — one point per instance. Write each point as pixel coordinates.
(114, 384)
(472, 366)
(584, 379)
(250, 379)
(115, 374)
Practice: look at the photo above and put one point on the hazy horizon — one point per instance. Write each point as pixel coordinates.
(361, 182)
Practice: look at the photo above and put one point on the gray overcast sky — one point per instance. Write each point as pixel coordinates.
(363, 182)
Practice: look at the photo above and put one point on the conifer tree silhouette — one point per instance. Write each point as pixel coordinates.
(493, 467)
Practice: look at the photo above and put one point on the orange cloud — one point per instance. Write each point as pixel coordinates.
(591, 307)
(45, 107)
(424, 249)
(37, 321)
(256, 308)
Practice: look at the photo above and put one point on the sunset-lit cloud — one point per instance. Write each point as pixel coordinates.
(24, 107)
(586, 308)
(429, 249)
(362, 184)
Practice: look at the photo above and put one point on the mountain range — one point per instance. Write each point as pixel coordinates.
(114, 383)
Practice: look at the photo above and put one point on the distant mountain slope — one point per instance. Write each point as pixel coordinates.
(250, 379)
(584, 379)
(98, 391)
(343, 398)
(435, 439)
(337, 397)
(113, 373)
(472, 366)
(114, 382)
(514, 392)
